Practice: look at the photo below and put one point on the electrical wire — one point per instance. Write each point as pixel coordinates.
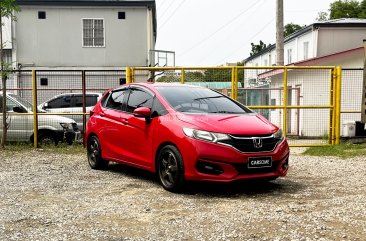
(166, 10)
(218, 30)
(171, 15)
(250, 39)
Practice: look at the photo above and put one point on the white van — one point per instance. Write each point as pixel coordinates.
(51, 128)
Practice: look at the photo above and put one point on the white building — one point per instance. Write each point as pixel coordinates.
(102, 34)
(331, 43)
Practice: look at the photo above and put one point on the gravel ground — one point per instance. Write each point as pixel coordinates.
(58, 197)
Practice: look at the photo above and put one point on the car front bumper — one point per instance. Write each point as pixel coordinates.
(214, 162)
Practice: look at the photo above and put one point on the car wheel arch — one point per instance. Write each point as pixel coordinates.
(161, 146)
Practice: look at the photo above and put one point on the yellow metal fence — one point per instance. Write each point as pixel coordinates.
(304, 101)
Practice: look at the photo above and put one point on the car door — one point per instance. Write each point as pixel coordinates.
(112, 132)
(138, 148)
(20, 125)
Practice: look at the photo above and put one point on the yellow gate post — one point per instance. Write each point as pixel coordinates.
(128, 75)
(285, 101)
(35, 116)
(338, 105)
(233, 82)
(182, 76)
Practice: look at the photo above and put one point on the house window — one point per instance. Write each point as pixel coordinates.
(121, 15)
(7, 56)
(93, 33)
(41, 15)
(306, 50)
(289, 56)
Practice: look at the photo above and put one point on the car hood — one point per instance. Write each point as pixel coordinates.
(243, 124)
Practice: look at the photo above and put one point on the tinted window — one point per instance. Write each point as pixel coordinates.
(91, 100)
(139, 98)
(60, 102)
(158, 109)
(115, 100)
(9, 104)
(200, 100)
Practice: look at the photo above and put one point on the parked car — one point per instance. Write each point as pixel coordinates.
(184, 133)
(71, 103)
(51, 128)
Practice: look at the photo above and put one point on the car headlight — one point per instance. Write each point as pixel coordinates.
(278, 134)
(205, 135)
(67, 126)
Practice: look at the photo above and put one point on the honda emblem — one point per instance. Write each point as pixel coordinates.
(257, 142)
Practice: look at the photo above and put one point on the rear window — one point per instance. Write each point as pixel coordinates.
(200, 100)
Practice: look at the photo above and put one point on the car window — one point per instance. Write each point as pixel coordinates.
(91, 100)
(77, 101)
(158, 109)
(60, 102)
(9, 105)
(200, 100)
(115, 100)
(139, 98)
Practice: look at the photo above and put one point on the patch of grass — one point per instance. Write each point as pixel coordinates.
(61, 148)
(344, 150)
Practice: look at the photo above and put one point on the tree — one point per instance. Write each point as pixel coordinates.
(290, 28)
(322, 16)
(344, 9)
(256, 48)
(7, 10)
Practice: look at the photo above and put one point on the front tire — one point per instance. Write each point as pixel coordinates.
(94, 152)
(170, 168)
(47, 139)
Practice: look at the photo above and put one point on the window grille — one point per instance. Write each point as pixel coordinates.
(93, 33)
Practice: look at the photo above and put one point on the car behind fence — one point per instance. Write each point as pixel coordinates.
(309, 103)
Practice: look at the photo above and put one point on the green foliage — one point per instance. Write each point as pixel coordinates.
(344, 9)
(8, 7)
(322, 16)
(256, 48)
(342, 150)
(290, 28)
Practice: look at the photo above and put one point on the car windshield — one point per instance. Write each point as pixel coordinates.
(200, 100)
(22, 101)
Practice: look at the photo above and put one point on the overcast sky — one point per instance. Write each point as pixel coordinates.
(213, 32)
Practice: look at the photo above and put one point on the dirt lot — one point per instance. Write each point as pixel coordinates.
(47, 196)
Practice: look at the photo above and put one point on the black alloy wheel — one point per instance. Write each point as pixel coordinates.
(170, 168)
(95, 154)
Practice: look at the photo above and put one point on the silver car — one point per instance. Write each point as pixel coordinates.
(51, 128)
(71, 103)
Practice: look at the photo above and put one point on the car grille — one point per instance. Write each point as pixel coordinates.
(243, 168)
(246, 144)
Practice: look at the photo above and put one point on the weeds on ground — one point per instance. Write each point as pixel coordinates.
(61, 148)
(344, 150)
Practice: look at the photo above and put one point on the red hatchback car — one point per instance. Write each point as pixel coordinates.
(184, 133)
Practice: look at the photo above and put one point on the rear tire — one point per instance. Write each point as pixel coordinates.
(94, 152)
(170, 169)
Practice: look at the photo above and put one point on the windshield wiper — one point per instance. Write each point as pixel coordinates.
(209, 97)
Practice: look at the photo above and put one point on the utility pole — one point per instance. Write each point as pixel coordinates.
(363, 107)
(279, 33)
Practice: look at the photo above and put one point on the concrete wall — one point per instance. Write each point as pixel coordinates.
(57, 40)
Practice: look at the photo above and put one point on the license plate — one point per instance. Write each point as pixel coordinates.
(259, 162)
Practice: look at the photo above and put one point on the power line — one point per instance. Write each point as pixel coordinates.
(171, 15)
(230, 36)
(250, 39)
(219, 29)
(165, 11)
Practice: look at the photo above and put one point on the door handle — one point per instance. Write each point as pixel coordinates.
(102, 114)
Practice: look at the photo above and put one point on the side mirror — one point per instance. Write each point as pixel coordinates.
(18, 109)
(144, 112)
(45, 106)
